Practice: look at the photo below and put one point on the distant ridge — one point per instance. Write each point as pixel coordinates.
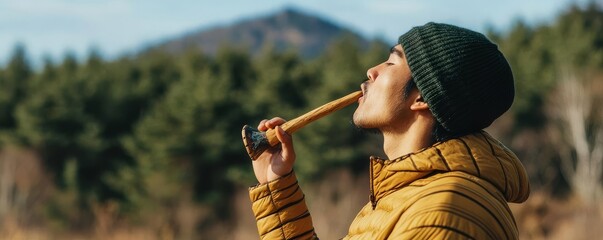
(285, 30)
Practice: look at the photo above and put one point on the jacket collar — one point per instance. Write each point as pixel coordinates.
(477, 154)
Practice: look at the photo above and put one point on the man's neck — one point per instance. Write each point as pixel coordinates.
(414, 138)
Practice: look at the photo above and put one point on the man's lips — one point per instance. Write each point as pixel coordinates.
(364, 89)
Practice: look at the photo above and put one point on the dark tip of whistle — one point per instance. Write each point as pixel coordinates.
(255, 141)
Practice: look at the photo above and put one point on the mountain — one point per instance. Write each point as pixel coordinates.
(307, 34)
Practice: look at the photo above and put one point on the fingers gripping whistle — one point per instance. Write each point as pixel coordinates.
(257, 142)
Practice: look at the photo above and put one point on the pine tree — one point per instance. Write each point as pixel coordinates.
(14, 81)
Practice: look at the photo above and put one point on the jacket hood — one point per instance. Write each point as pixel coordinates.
(477, 154)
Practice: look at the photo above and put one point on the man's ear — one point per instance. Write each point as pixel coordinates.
(419, 104)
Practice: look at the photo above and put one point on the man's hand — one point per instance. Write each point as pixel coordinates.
(276, 161)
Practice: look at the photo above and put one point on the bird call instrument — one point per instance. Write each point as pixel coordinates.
(257, 142)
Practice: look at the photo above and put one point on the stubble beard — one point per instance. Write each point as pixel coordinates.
(362, 127)
(357, 120)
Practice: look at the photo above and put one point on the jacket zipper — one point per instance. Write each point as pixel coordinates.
(372, 189)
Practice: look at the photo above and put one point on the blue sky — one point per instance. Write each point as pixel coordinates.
(115, 27)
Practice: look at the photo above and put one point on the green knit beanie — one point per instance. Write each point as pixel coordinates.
(463, 77)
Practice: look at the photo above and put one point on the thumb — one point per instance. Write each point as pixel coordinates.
(286, 143)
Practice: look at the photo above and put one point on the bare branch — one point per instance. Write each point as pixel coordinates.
(574, 108)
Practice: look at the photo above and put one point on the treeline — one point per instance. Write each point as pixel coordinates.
(540, 126)
(145, 132)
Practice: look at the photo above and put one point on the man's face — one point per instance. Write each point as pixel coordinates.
(383, 105)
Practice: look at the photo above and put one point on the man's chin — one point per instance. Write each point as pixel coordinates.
(364, 129)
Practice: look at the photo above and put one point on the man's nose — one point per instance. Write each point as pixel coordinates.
(372, 73)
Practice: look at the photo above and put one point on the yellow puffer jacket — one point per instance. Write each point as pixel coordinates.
(456, 189)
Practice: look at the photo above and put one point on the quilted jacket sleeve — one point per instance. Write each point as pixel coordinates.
(280, 210)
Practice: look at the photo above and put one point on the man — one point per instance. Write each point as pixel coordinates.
(447, 178)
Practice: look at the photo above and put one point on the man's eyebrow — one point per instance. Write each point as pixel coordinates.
(394, 50)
